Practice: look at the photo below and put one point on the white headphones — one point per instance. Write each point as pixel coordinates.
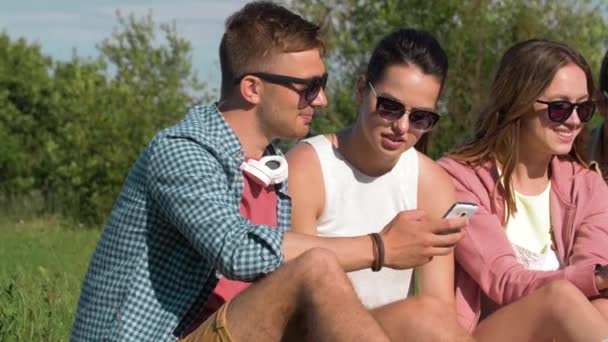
(266, 171)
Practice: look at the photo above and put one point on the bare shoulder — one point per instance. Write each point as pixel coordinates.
(435, 187)
(430, 174)
(306, 187)
(302, 155)
(304, 166)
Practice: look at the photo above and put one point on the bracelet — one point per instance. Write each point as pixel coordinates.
(379, 246)
(601, 270)
(375, 250)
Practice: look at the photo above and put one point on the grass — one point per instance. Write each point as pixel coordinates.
(42, 264)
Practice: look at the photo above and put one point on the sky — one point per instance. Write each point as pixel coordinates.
(59, 26)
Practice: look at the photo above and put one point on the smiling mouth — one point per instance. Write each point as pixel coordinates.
(568, 134)
(307, 117)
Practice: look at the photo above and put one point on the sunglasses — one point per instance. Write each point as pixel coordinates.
(560, 111)
(310, 92)
(392, 110)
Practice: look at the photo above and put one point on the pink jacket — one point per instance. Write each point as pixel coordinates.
(485, 259)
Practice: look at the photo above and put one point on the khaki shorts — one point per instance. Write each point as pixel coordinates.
(214, 329)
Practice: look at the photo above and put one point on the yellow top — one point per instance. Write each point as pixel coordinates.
(529, 227)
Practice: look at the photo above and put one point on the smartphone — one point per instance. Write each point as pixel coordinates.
(459, 209)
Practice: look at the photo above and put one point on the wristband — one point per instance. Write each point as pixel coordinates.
(601, 270)
(379, 245)
(375, 250)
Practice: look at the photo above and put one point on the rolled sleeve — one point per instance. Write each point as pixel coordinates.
(189, 187)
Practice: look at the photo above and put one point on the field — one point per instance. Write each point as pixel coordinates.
(42, 264)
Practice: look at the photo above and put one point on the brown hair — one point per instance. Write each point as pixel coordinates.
(523, 74)
(256, 32)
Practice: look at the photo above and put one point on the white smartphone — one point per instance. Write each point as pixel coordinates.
(461, 209)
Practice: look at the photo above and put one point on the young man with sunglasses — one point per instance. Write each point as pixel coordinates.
(355, 180)
(206, 207)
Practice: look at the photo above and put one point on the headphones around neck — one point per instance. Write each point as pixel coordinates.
(266, 171)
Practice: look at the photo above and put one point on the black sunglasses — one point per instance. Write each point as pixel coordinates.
(392, 110)
(310, 92)
(560, 111)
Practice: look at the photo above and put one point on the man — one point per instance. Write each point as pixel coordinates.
(178, 224)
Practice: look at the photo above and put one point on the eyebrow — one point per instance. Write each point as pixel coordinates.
(582, 98)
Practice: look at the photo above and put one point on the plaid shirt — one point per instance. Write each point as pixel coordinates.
(175, 226)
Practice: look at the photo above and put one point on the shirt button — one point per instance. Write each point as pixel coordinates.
(240, 154)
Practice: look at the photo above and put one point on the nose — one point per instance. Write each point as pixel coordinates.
(320, 100)
(402, 125)
(574, 119)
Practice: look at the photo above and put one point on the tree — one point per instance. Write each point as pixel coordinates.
(475, 33)
(110, 107)
(25, 87)
(71, 130)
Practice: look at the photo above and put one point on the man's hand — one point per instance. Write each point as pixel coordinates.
(411, 240)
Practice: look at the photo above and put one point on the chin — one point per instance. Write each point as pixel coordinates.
(301, 133)
(390, 155)
(561, 151)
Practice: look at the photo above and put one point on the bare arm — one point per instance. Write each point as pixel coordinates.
(435, 196)
(306, 188)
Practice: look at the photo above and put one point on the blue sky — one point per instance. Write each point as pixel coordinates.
(61, 25)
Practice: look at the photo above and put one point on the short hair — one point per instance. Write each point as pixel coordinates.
(256, 33)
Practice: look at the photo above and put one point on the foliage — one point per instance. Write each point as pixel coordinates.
(25, 86)
(475, 33)
(71, 130)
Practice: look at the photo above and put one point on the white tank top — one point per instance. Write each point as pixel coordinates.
(357, 204)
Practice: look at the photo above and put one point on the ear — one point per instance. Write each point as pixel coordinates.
(360, 88)
(251, 89)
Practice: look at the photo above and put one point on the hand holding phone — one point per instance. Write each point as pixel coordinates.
(459, 209)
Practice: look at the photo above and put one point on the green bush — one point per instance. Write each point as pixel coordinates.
(71, 130)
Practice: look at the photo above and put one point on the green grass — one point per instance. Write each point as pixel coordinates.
(42, 264)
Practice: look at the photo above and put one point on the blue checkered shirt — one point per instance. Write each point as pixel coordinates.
(174, 227)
